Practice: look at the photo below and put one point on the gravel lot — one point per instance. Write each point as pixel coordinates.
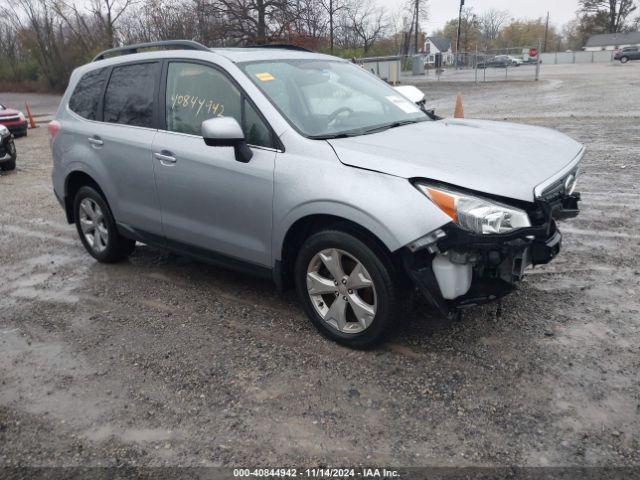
(163, 361)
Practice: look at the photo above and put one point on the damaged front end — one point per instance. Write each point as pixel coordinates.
(455, 268)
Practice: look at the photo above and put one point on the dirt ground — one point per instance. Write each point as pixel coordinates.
(164, 361)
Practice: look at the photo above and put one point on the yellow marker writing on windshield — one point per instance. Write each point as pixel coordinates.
(265, 77)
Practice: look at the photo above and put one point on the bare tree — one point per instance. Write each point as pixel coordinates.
(491, 22)
(108, 12)
(10, 48)
(41, 27)
(254, 21)
(81, 26)
(367, 22)
(332, 8)
(618, 11)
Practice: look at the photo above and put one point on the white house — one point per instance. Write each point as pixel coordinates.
(433, 45)
(612, 41)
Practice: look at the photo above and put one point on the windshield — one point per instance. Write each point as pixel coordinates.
(328, 99)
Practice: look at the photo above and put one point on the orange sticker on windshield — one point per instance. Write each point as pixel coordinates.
(265, 77)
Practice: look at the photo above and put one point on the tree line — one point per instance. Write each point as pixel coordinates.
(497, 30)
(42, 41)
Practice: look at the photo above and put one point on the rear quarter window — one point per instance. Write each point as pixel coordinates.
(86, 96)
(129, 99)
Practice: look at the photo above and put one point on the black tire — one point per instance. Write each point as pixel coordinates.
(8, 165)
(624, 59)
(383, 276)
(117, 247)
(11, 164)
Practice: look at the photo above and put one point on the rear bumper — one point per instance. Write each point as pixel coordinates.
(497, 262)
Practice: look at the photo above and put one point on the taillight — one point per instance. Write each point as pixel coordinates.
(54, 128)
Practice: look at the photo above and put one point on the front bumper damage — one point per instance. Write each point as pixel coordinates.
(496, 263)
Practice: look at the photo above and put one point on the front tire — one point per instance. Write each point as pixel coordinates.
(97, 228)
(347, 288)
(11, 163)
(624, 59)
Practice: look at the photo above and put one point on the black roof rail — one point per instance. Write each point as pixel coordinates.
(283, 46)
(129, 49)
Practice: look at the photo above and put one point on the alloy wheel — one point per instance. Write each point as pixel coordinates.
(93, 225)
(341, 291)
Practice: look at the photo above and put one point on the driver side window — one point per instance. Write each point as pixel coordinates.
(197, 92)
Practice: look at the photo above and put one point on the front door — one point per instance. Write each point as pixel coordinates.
(208, 199)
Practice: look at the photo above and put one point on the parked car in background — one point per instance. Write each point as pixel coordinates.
(500, 61)
(531, 61)
(627, 53)
(14, 120)
(309, 170)
(8, 152)
(515, 61)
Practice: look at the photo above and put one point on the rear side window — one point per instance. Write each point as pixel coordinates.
(130, 95)
(86, 96)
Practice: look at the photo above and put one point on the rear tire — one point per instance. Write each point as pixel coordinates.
(624, 59)
(97, 227)
(367, 302)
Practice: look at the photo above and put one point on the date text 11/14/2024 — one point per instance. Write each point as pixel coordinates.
(317, 473)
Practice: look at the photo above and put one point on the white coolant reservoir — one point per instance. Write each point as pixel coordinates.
(454, 279)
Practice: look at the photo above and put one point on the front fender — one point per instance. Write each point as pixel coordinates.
(335, 209)
(388, 206)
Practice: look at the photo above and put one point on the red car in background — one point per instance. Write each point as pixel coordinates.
(14, 120)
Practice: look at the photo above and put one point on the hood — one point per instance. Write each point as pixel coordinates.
(8, 112)
(497, 158)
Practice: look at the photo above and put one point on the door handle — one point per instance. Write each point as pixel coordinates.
(95, 141)
(165, 157)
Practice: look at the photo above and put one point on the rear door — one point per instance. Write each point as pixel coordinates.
(209, 200)
(124, 140)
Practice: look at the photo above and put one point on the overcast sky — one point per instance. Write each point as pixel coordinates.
(561, 11)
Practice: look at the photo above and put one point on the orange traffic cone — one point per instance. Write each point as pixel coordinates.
(32, 122)
(459, 111)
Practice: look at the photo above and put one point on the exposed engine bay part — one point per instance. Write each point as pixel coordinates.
(454, 279)
(456, 269)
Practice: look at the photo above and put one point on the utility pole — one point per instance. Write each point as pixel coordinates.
(331, 25)
(417, 18)
(458, 35)
(546, 33)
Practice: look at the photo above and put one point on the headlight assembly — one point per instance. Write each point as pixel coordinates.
(476, 214)
(21, 116)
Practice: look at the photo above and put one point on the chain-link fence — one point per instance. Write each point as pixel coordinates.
(514, 64)
(520, 63)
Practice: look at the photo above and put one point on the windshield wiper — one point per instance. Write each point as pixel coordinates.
(357, 133)
(391, 125)
(332, 136)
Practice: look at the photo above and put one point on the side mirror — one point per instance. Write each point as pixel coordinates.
(226, 132)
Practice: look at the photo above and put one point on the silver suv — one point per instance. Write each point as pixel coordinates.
(311, 171)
